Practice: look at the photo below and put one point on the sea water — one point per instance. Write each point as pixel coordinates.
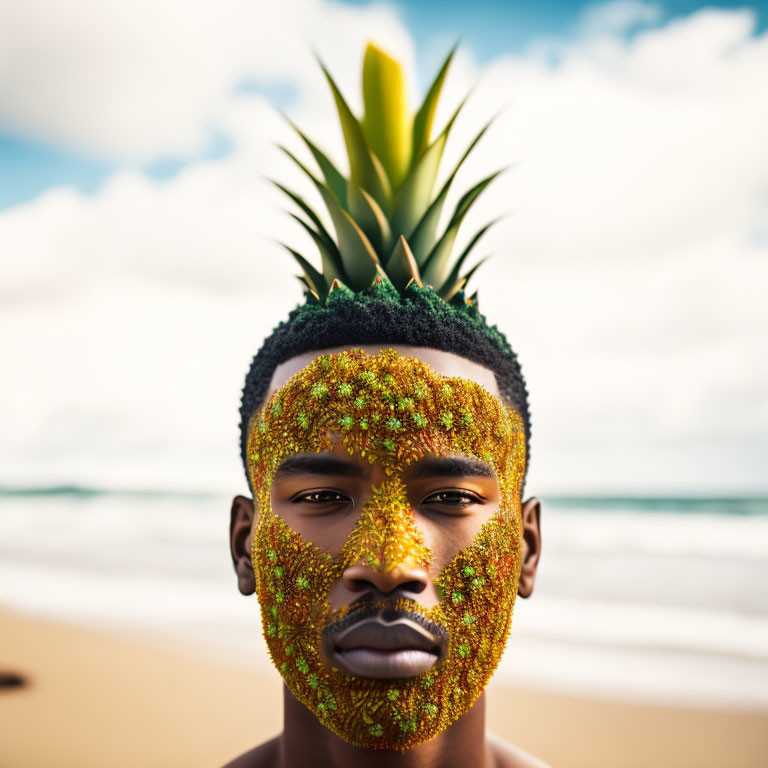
(655, 600)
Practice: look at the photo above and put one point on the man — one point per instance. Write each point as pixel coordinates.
(384, 434)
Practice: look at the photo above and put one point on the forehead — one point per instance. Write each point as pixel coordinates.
(443, 363)
(388, 406)
(338, 462)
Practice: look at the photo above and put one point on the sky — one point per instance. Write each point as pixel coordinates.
(137, 229)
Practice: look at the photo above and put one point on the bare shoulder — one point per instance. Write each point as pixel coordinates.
(263, 756)
(508, 756)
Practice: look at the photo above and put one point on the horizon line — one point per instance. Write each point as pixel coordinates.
(75, 489)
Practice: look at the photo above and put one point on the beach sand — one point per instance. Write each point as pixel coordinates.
(97, 698)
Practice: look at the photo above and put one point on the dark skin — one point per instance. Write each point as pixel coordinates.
(320, 496)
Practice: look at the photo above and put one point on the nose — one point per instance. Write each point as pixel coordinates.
(361, 578)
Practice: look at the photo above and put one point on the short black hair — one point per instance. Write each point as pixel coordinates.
(417, 317)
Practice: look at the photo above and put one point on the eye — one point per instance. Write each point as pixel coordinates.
(321, 496)
(453, 499)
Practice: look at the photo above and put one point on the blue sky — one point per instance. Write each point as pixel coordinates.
(488, 27)
(28, 167)
(493, 27)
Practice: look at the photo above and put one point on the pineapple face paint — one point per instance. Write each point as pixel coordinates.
(392, 410)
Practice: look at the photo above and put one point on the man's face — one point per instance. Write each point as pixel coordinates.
(388, 545)
(322, 497)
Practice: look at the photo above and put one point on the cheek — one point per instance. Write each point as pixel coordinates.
(328, 532)
(448, 536)
(496, 537)
(481, 582)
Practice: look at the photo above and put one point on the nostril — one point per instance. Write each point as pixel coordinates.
(362, 585)
(361, 578)
(358, 585)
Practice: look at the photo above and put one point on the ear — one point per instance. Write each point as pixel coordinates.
(240, 524)
(531, 513)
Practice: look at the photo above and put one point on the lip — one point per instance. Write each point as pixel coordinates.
(384, 643)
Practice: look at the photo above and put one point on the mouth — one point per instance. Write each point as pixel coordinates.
(382, 642)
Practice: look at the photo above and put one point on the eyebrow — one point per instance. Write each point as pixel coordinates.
(452, 466)
(318, 464)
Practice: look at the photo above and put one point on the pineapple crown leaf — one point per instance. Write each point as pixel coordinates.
(423, 119)
(331, 259)
(454, 278)
(333, 178)
(386, 214)
(365, 169)
(313, 279)
(386, 120)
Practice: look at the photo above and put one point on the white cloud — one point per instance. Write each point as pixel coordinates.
(631, 277)
(144, 79)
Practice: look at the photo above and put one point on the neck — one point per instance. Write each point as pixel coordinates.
(305, 741)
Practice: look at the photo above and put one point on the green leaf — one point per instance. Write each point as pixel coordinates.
(422, 122)
(413, 198)
(436, 265)
(387, 118)
(310, 296)
(423, 236)
(453, 277)
(358, 257)
(414, 195)
(357, 254)
(323, 232)
(329, 251)
(469, 197)
(301, 165)
(450, 289)
(364, 169)
(329, 255)
(312, 277)
(333, 178)
(368, 214)
(401, 266)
